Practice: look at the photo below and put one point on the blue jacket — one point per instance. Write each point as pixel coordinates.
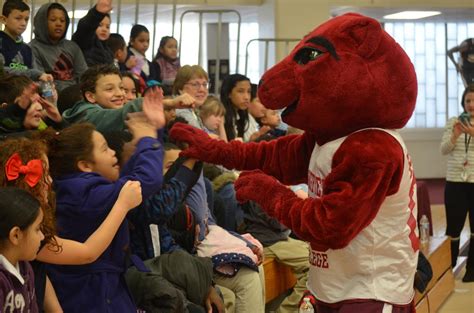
(83, 202)
(157, 209)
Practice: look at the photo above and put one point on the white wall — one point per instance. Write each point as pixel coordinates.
(423, 146)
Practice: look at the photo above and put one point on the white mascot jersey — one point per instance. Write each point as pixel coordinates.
(380, 262)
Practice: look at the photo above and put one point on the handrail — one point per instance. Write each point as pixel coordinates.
(267, 41)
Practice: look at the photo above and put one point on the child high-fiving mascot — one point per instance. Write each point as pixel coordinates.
(349, 85)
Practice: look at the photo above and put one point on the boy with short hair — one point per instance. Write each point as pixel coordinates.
(17, 56)
(104, 101)
(118, 46)
(52, 52)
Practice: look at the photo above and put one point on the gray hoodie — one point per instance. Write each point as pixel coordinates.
(64, 60)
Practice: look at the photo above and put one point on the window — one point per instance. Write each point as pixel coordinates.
(248, 31)
(439, 85)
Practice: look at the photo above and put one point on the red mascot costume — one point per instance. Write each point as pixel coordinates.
(349, 86)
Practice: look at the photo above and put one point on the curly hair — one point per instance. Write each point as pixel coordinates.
(90, 77)
(30, 149)
(67, 147)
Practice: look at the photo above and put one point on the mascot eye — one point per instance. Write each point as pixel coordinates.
(306, 55)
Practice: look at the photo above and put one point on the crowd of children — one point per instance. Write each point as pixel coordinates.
(98, 212)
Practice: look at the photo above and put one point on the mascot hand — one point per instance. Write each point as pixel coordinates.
(199, 143)
(261, 188)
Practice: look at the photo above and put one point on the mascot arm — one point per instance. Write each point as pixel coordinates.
(366, 169)
(286, 158)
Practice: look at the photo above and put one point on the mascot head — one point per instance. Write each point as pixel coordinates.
(347, 74)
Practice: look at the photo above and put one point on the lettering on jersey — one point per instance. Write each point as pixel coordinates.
(315, 185)
(319, 259)
(14, 302)
(412, 224)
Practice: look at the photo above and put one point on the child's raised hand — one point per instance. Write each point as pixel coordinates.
(131, 195)
(140, 126)
(104, 6)
(51, 110)
(153, 107)
(131, 62)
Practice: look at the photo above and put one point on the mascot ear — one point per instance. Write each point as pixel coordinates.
(365, 35)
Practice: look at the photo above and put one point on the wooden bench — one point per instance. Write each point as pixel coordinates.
(278, 279)
(438, 252)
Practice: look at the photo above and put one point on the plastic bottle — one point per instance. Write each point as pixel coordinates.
(306, 306)
(424, 230)
(47, 91)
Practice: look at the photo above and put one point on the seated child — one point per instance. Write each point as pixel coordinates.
(271, 119)
(92, 33)
(150, 237)
(20, 238)
(255, 107)
(53, 53)
(23, 108)
(18, 94)
(87, 183)
(130, 86)
(212, 114)
(137, 47)
(54, 249)
(68, 97)
(118, 47)
(103, 103)
(17, 56)
(168, 62)
(236, 258)
(277, 244)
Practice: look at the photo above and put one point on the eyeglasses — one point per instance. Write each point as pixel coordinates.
(196, 85)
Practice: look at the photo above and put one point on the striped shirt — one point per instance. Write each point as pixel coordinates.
(457, 154)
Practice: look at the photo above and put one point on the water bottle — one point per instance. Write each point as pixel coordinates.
(424, 230)
(306, 306)
(47, 91)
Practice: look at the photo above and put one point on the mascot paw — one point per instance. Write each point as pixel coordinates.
(181, 132)
(194, 138)
(258, 187)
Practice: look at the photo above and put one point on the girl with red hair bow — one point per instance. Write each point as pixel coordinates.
(24, 164)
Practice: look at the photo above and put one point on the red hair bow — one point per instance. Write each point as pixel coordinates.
(33, 170)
